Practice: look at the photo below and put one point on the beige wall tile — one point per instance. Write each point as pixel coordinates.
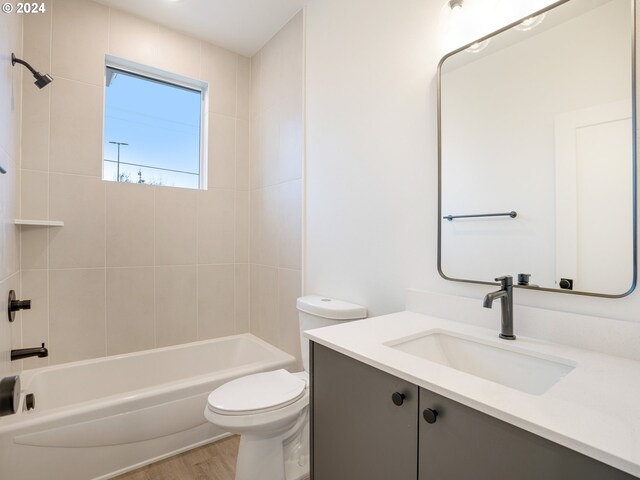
(76, 315)
(5, 334)
(76, 128)
(255, 84)
(133, 38)
(34, 247)
(243, 154)
(15, 330)
(255, 167)
(269, 149)
(14, 283)
(242, 226)
(12, 249)
(36, 44)
(222, 151)
(10, 121)
(79, 42)
(35, 101)
(178, 53)
(123, 226)
(244, 88)
(35, 322)
(276, 136)
(219, 69)
(290, 225)
(80, 203)
(10, 85)
(176, 305)
(290, 141)
(216, 221)
(130, 310)
(270, 68)
(291, 60)
(9, 211)
(255, 200)
(216, 301)
(34, 192)
(242, 298)
(289, 289)
(130, 225)
(175, 226)
(267, 227)
(264, 303)
(35, 125)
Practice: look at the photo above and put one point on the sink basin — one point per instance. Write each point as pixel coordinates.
(507, 365)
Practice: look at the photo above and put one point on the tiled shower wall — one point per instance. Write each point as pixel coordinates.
(10, 107)
(276, 186)
(134, 267)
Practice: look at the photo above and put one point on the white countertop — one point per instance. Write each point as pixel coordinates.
(594, 410)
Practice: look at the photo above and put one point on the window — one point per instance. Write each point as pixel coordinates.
(153, 127)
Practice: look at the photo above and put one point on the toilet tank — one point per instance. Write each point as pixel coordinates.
(315, 311)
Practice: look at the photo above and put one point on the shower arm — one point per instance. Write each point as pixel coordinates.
(15, 60)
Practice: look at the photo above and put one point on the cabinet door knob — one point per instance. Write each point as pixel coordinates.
(430, 415)
(398, 398)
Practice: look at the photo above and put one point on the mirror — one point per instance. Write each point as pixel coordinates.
(536, 124)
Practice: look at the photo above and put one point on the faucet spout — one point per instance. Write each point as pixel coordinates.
(505, 294)
(490, 297)
(21, 353)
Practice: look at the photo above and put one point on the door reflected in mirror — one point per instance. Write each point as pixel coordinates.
(541, 123)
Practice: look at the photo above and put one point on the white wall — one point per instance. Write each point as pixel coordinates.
(371, 164)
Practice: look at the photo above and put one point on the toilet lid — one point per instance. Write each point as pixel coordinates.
(257, 393)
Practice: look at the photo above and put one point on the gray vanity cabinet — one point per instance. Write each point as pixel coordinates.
(369, 425)
(357, 431)
(466, 444)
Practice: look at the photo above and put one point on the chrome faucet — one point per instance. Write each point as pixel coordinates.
(505, 294)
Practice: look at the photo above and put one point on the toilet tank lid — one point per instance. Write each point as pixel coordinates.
(330, 308)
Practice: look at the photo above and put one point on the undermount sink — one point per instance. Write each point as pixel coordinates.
(518, 369)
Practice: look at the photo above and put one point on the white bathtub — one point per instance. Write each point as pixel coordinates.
(98, 418)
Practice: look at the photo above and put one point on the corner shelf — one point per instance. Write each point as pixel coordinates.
(39, 223)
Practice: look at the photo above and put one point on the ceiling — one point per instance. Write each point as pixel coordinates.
(242, 26)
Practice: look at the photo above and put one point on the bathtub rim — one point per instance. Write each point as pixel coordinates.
(26, 375)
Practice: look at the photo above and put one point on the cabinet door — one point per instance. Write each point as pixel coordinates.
(466, 444)
(357, 431)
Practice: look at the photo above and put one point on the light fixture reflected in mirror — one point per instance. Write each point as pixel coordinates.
(530, 23)
(478, 46)
(455, 4)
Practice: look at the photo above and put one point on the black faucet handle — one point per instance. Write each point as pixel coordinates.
(20, 305)
(505, 281)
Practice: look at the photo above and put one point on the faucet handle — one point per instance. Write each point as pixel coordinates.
(505, 281)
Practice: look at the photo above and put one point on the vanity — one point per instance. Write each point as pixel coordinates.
(412, 396)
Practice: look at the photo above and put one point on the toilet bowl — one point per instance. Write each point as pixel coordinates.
(270, 410)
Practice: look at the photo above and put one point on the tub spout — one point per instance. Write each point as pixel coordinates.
(21, 353)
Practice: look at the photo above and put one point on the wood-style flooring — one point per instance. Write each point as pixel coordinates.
(216, 461)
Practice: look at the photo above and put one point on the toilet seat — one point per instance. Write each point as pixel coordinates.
(257, 393)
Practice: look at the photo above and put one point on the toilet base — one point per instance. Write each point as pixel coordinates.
(284, 456)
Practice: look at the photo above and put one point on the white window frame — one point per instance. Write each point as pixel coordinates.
(164, 76)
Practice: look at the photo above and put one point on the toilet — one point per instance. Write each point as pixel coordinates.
(270, 410)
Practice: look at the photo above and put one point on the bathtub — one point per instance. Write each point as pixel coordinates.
(99, 418)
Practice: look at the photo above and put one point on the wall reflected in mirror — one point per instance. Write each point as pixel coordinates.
(538, 119)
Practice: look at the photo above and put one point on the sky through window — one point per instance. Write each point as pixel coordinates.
(160, 123)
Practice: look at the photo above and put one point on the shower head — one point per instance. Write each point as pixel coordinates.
(41, 80)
